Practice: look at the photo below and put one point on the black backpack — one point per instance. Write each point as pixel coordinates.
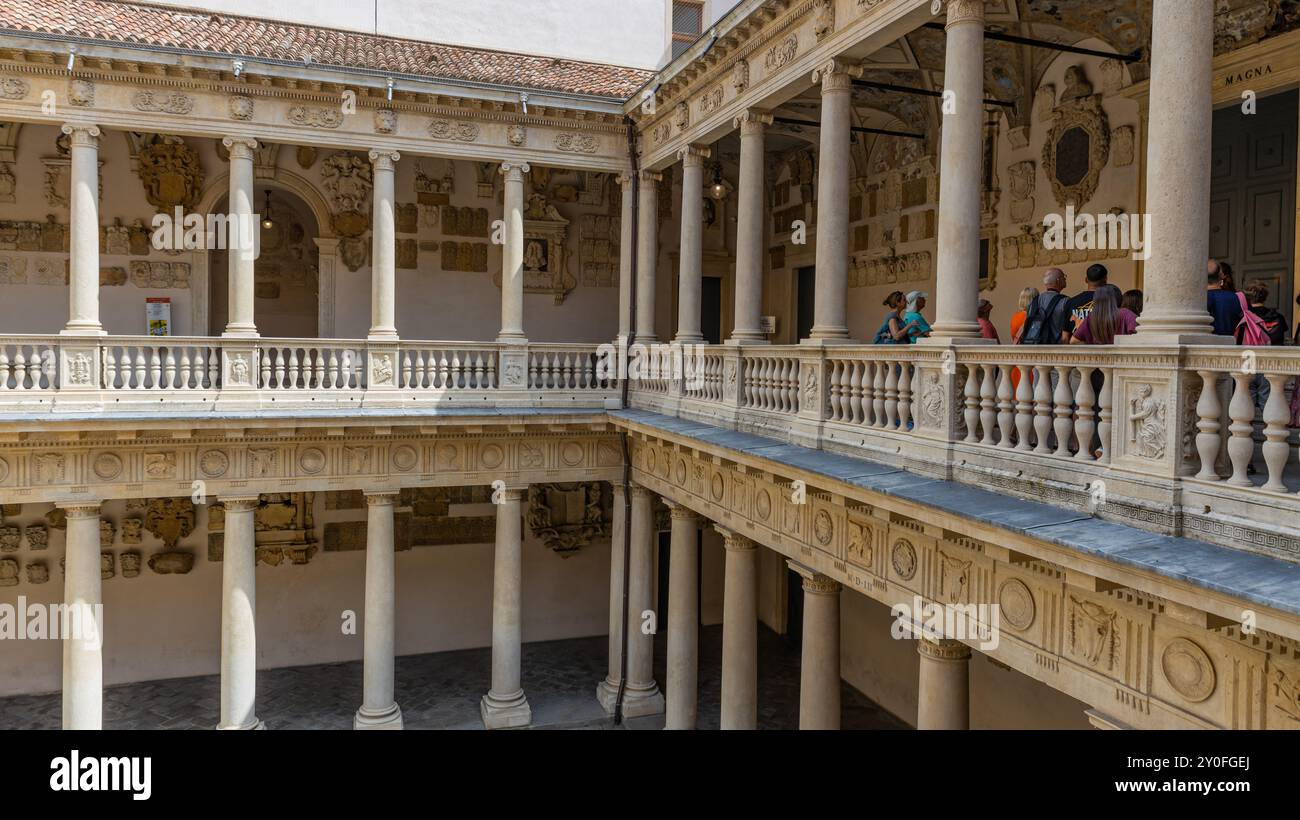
(1038, 328)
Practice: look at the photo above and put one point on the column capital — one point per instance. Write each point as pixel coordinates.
(734, 541)
(639, 491)
(964, 11)
(819, 584)
(83, 134)
(680, 511)
(240, 147)
(384, 160)
(79, 509)
(514, 171)
(694, 155)
(381, 498)
(618, 487)
(651, 178)
(509, 492)
(626, 178)
(942, 649)
(240, 503)
(752, 121)
(836, 74)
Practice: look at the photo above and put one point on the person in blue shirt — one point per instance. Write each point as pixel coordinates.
(1221, 299)
(912, 316)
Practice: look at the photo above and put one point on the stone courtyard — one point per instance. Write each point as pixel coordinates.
(443, 690)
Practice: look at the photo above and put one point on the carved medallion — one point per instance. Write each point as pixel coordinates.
(1016, 603)
(311, 460)
(1189, 670)
(214, 463)
(763, 504)
(823, 528)
(903, 558)
(241, 107)
(404, 458)
(108, 466)
(491, 456)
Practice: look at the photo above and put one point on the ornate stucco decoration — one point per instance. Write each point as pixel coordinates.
(169, 519)
(241, 107)
(385, 121)
(824, 20)
(781, 53)
(348, 181)
(448, 130)
(81, 93)
(566, 517)
(1078, 143)
(1022, 190)
(315, 117)
(1147, 424)
(575, 143)
(740, 76)
(546, 259)
(171, 172)
(284, 528)
(167, 103)
(14, 89)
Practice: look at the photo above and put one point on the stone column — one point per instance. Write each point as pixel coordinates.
(626, 257)
(647, 255)
(750, 218)
(379, 710)
(383, 248)
(641, 695)
(961, 160)
(607, 690)
(739, 633)
(83, 245)
(512, 255)
(692, 245)
(682, 696)
(83, 649)
(241, 258)
(504, 706)
(819, 666)
(1178, 175)
(943, 699)
(830, 304)
(239, 616)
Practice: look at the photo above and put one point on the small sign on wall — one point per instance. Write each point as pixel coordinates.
(767, 324)
(158, 315)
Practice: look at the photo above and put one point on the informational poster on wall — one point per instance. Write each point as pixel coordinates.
(158, 315)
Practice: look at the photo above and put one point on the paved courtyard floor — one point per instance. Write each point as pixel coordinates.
(442, 691)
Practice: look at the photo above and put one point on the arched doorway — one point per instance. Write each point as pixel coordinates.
(286, 273)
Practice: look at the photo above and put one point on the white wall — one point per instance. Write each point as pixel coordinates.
(620, 32)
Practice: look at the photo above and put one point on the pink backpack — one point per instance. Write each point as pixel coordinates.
(1250, 330)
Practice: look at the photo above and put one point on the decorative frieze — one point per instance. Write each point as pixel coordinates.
(458, 131)
(241, 107)
(782, 53)
(576, 143)
(12, 88)
(314, 117)
(168, 103)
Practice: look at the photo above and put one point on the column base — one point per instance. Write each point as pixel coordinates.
(255, 725)
(689, 339)
(381, 335)
(512, 339)
(642, 702)
(390, 718)
(511, 712)
(607, 694)
(747, 339)
(84, 330)
(240, 332)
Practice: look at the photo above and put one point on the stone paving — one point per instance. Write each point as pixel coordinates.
(442, 691)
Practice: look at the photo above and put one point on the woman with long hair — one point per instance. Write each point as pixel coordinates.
(1107, 320)
(892, 330)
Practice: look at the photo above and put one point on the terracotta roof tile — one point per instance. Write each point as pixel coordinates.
(114, 22)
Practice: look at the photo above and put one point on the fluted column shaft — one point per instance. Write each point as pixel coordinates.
(740, 633)
(383, 249)
(1179, 141)
(961, 160)
(239, 616)
(83, 245)
(691, 268)
(83, 651)
(819, 668)
(512, 255)
(647, 255)
(379, 709)
(750, 218)
(943, 697)
(240, 285)
(505, 705)
(682, 685)
(829, 304)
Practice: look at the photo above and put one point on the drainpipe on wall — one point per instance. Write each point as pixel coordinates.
(627, 454)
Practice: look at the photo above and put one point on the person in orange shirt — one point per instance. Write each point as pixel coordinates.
(1027, 298)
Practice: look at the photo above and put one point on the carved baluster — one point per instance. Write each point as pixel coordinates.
(1024, 408)
(20, 369)
(443, 369)
(294, 369)
(891, 395)
(1006, 408)
(491, 371)
(185, 369)
(320, 365)
(988, 405)
(1104, 424)
(155, 368)
(333, 374)
(35, 368)
(971, 391)
(281, 357)
(859, 405)
(1241, 446)
(904, 396)
(878, 394)
(1276, 415)
(141, 368)
(1085, 398)
(167, 378)
(1043, 409)
(786, 397)
(214, 367)
(1064, 410)
(1209, 436)
(110, 369)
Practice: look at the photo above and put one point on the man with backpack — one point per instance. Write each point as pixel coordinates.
(1048, 319)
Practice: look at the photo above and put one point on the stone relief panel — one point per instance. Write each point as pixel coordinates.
(1078, 142)
(171, 173)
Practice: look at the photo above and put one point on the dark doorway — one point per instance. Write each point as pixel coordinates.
(711, 310)
(794, 607)
(1252, 199)
(805, 303)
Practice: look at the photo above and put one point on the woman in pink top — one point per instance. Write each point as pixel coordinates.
(1107, 319)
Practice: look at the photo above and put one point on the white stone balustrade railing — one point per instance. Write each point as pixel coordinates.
(117, 373)
(1125, 432)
